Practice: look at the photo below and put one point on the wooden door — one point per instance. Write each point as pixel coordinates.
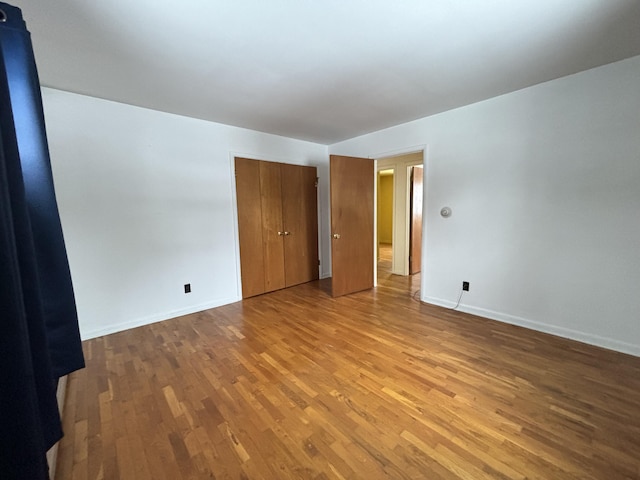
(415, 224)
(300, 218)
(272, 226)
(250, 226)
(352, 181)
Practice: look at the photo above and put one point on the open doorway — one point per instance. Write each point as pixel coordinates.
(399, 206)
(384, 220)
(353, 203)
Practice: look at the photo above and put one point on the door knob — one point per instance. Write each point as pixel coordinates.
(336, 236)
(281, 233)
(287, 233)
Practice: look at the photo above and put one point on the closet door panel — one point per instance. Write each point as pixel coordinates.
(272, 227)
(300, 215)
(250, 226)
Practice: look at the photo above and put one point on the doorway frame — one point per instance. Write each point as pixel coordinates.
(400, 244)
(376, 244)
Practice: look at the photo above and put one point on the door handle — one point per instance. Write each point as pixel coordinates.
(281, 233)
(287, 233)
(336, 236)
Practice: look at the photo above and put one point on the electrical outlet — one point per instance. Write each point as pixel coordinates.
(187, 288)
(465, 286)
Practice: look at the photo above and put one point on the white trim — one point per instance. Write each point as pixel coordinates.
(234, 213)
(425, 191)
(376, 184)
(568, 333)
(157, 317)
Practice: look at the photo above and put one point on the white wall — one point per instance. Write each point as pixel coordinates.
(147, 203)
(544, 185)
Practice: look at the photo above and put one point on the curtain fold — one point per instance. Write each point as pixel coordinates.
(39, 335)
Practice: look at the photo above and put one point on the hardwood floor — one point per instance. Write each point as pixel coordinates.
(385, 259)
(298, 385)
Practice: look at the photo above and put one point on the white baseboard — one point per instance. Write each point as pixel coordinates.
(591, 339)
(158, 317)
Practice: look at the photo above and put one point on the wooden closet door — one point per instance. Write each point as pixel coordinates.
(300, 215)
(250, 226)
(272, 226)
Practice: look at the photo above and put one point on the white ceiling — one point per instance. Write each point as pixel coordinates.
(320, 70)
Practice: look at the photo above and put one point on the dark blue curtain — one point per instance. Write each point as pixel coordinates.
(39, 337)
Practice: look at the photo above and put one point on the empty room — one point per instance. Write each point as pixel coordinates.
(320, 239)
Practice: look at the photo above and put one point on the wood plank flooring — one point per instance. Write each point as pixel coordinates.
(297, 385)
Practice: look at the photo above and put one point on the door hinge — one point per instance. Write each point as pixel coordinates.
(317, 180)
(318, 261)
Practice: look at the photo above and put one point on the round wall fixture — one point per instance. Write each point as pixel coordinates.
(445, 212)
